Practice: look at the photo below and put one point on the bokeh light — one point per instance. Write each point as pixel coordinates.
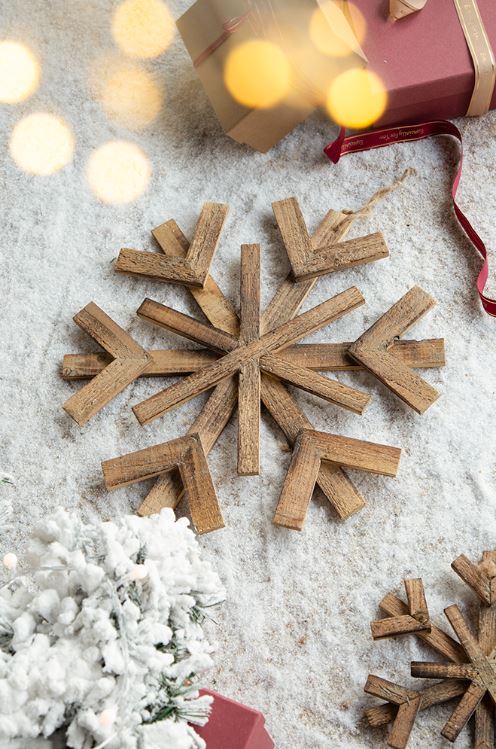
(331, 32)
(41, 143)
(257, 73)
(129, 95)
(19, 72)
(143, 28)
(118, 172)
(356, 98)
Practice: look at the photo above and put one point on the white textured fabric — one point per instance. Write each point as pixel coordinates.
(294, 637)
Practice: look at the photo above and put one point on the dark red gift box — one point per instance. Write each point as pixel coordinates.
(234, 726)
(423, 59)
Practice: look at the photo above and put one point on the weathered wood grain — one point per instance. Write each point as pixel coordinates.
(186, 454)
(308, 261)
(163, 362)
(191, 270)
(286, 334)
(311, 447)
(334, 357)
(371, 350)
(249, 373)
(316, 384)
(417, 604)
(129, 361)
(187, 326)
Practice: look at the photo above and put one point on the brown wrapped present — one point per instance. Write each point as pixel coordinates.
(266, 64)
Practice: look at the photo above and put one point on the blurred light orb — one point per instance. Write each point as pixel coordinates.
(130, 96)
(257, 74)
(10, 561)
(118, 172)
(41, 144)
(19, 72)
(143, 28)
(356, 98)
(330, 29)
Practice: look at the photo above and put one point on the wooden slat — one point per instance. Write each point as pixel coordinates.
(334, 357)
(298, 485)
(463, 712)
(188, 455)
(249, 374)
(417, 604)
(163, 362)
(294, 232)
(371, 350)
(191, 270)
(316, 384)
(336, 257)
(396, 625)
(202, 499)
(388, 690)
(436, 638)
(206, 238)
(249, 419)
(364, 456)
(308, 261)
(217, 308)
(129, 362)
(403, 723)
(474, 577)
(423, 670)
(186, 326)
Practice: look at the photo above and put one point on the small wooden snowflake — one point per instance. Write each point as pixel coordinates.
(470, 670)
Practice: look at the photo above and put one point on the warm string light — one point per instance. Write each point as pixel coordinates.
(118, 172)
(143, 28)
(41, 144)
(19, 72)
(258, 74)
(356, 98)
(128, 94)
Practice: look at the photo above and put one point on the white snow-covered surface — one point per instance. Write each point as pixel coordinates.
(294, 637)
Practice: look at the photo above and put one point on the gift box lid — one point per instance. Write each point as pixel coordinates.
(423, 57)
(234, 726)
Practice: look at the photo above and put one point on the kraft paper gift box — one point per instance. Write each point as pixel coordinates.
(211, 29)
(423, 59)
(234, 726)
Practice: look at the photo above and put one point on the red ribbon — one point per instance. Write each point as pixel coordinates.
(380, 138)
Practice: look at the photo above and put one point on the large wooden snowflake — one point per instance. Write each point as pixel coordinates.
(246, 360)
(470, 672)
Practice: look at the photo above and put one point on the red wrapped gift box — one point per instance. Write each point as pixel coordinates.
(423, 59)
(234, 726)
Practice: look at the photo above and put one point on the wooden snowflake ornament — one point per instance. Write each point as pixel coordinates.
(470, 672)
(246, 360)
